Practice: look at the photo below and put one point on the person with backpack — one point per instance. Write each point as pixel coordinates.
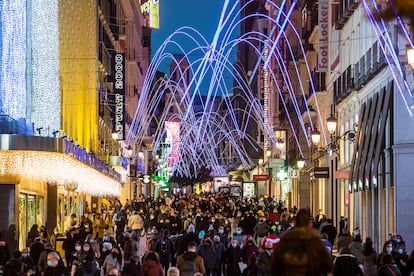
(190, 262)
(165, 248)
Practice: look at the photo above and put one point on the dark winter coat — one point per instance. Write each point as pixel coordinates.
(301, 252)
(207, 252)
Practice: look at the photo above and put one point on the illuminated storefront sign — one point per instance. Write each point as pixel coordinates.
(119, 91)
(265, 85)
(323, 27)
(151, 11)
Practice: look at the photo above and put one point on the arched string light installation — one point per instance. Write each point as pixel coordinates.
(208, 66)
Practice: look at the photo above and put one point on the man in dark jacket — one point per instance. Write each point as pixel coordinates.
(301, 251)
(218, 258)
(330, 230)
(207, 252)
(36, 249)
(165, 248)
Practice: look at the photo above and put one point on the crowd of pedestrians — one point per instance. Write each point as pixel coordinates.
(210, 234)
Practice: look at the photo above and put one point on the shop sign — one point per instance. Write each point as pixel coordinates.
(320, 172)
(342, 174)
(261, 177)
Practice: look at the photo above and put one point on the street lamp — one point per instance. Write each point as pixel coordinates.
(331, 124)
(315, 137)
(300, 163)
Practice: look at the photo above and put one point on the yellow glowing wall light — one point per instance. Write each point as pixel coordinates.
(198, 188)
(57, 168)
(78, 71)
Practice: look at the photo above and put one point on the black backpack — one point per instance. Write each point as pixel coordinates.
(188, 268)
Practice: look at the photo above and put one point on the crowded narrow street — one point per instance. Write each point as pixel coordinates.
(221, 138)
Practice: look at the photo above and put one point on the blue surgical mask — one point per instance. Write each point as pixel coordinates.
(50, 263)
(389, 249)
(106, 238)
(24, 255)
(221, 231)
(91, 241)
(398, 241)
(238, 232)
(400, 250)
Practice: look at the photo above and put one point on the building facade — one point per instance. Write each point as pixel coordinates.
(58, 107)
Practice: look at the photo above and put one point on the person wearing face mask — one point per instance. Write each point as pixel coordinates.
(224, 239)
(218, 258)
(232, 256)
(207, 252)
(386, 249)
(279, 229)
(113, 260)
(86, 249)
(400, 257)
(95, 248)
(249, 248)
(265, 259)
(28, 261)
(238, 236)
(42, 264)
(55, 266)
(260, 230)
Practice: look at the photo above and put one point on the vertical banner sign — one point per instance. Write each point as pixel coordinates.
(119, 91)
(323, 27)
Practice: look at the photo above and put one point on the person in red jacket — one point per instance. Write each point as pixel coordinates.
(271, 237)
(151, 265)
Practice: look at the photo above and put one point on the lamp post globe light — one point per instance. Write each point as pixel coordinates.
(315, 137)
(300, 163)
(331, 124)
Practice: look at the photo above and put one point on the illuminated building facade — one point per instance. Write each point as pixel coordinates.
(57, 106)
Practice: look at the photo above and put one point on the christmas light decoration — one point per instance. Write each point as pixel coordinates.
(57, 169)
(45, 65)
(13, 58)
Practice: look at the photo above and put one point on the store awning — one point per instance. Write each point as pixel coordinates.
(370, 138)
(57, 169)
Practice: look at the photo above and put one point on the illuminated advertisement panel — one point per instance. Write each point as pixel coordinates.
(220, 182)
(151, 12)
(249, 189)
(172, 144)
(119, 91)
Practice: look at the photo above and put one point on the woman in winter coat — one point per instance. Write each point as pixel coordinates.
(151, 265)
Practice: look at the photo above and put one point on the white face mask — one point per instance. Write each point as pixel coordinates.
(234, 244)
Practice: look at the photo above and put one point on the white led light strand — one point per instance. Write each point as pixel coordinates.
(57, 168)
(45, 65)
(13, 58)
